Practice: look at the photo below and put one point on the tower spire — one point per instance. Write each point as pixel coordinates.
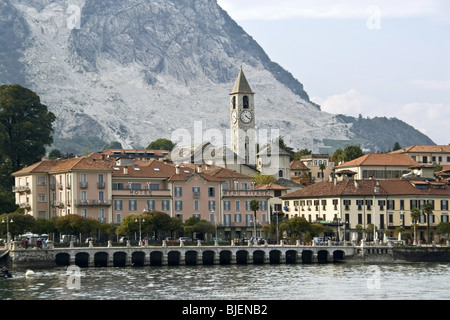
(241, 85)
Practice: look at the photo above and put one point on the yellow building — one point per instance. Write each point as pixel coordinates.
(385, 203)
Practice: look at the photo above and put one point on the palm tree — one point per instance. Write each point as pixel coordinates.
(322, 167)
(254, 206)
(428, 210)
(415, 216)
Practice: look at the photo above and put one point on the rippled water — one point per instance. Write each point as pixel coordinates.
(236, 282)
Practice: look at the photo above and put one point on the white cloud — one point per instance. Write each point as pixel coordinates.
(432, 119)
(320, 9)
(432, 84)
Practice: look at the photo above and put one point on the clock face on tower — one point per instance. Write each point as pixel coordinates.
(234, 116)
(246, 116)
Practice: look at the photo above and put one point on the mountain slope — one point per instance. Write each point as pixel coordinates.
(137, 70)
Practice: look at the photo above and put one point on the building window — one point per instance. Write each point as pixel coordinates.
(238, 205)
(227, 205)
(41, 214)
(211, 205)
(196, 205)
(84, 213)
(154, 186)
(118, 218)
(196, 191)
(237, 217)
(211, 192)
(347, 204)
(402, 204)
(101, 215)
(444, 204)
(132, 205)
(118, 205)
(444, 217)
(41, 197)
(263, 206)
(178, 205)
(212, 218)
(246, 104)
(165, 205)
(248, 220)
(227, 220)
(360, 220)
(41, 181)
(178, 191)
(150, 205)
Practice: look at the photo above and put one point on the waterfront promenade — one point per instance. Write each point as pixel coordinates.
(167, 255)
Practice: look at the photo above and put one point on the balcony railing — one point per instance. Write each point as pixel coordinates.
(21, 189)
(93, 203)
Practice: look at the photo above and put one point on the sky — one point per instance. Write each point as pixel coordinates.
(379, 58)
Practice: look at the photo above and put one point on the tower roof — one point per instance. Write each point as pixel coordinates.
(241, 85)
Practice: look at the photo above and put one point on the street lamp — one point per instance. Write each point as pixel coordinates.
(141, 219)
(7, 227)
(215, 224)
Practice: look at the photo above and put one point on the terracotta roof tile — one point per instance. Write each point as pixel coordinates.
(381, 159)
(367, 188)
(424, 149)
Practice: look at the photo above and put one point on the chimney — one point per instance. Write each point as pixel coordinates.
(377, 188)
(199, 169)
(125, 170)
(177, 169)
(356, 184)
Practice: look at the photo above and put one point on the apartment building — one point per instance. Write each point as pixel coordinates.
(427, 154)
(379, 166)
(109, 189)
(319, 165)
(385, 203)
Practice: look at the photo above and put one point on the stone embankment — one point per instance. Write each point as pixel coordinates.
(112, 256)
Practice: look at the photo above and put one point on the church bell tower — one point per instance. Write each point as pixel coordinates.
(242, 120)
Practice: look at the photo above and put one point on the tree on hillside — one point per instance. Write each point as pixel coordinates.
(397, 146)
(25, 131)
(263, 179)
(350, 152)
(25, 126)
(161, 144)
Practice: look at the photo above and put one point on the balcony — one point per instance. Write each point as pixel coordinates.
(93, 203)
(21, 189)
(25, 205)
(58, 204)
(83, 185)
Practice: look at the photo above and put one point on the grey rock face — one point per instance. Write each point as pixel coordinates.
(136, 70)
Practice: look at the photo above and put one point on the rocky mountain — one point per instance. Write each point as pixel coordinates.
(136, 70)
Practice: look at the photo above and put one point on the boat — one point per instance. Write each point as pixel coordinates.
(4, 273)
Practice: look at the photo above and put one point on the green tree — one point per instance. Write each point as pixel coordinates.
(299, 154)
(25, 131)
(254, 206)
(443, 228)
(397, 146)
(21, 224)
(25, 126)
(161, 144)
(263, 179)
(415, 216)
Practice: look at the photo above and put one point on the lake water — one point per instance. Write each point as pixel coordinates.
(427, 281)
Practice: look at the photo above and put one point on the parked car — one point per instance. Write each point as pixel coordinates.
(184, 239)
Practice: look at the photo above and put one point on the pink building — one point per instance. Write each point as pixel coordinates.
(108, 190)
